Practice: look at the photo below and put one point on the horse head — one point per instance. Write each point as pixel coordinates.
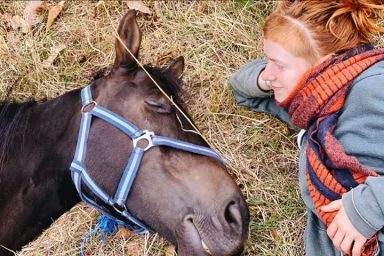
(186, 197)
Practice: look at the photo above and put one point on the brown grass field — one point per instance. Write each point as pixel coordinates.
(216, 38)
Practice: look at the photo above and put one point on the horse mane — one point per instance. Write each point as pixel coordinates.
(168, 82)
(12, 120)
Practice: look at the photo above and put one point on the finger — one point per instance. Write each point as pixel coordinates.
(338, 239)
(331, 230)
(346, 245)
(333, 206)
(357, 247)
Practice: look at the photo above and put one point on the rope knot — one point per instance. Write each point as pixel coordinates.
(104, 225)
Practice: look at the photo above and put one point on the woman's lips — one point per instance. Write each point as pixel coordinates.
(275, 87)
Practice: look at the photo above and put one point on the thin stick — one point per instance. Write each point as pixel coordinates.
(153, 80)
(161, 90)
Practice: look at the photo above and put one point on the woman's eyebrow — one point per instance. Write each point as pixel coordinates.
(276, 60)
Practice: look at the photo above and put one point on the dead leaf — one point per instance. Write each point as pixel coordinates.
(12, 38)
(124, 233)
(165, 57)
(53, 13)
(169, 250)
(155, 18)
(54, 52)
(139, 6)
(133, 249)
(33, 13)
(6, 17)
(95, 9)
(18, 22)
(275, 234)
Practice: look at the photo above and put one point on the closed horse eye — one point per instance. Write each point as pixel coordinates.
(158, 106)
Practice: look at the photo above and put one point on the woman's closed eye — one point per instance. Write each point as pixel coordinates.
(280, 67)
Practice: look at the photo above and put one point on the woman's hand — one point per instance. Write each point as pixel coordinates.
(343, 234)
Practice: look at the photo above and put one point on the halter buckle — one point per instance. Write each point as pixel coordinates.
(146, 135)
(89, 106)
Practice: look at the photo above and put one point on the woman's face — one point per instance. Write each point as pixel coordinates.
(283, 70)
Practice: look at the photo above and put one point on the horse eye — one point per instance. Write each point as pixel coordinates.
(158, 106)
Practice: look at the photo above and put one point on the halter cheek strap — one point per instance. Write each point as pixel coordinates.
(80, 175)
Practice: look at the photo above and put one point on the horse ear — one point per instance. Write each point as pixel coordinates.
(177, 67)
(130, 36)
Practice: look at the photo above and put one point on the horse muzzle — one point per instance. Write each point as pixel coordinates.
(218, 235)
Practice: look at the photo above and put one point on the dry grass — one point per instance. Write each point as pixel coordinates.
(215, 38)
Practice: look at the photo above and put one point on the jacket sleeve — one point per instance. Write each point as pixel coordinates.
(247, 93)
(360, 130)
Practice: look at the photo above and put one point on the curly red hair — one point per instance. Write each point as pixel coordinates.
(315, 28)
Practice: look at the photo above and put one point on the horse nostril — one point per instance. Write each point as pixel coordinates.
(188, 218)
(232, 213)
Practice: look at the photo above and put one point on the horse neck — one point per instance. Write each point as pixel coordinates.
(44, 137)
(37, 169)
(36, 131)
(52, 128)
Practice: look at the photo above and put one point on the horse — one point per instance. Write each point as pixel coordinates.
(187, 197)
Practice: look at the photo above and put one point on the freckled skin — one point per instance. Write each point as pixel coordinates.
(283, 70)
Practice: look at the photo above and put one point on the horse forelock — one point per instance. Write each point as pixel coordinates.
(168, 82)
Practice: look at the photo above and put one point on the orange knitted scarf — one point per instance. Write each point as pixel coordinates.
(314, 105)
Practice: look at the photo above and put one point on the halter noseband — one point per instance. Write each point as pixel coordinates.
(81, 177)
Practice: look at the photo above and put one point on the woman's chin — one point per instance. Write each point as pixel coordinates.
(279, 97)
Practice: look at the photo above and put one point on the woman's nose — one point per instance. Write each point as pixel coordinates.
(268, 74)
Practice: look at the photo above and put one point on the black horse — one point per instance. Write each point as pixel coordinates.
(188, 198)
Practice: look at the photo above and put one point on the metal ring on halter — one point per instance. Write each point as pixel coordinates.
(119, 208)
(147, 135)
(94, 103)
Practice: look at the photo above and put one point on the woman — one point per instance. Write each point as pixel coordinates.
(322, 76)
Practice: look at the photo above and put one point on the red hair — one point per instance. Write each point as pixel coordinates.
(312, 29)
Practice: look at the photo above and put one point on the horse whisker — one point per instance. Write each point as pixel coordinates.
(185, 130)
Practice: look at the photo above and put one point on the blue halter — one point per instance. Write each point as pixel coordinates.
(79, 171)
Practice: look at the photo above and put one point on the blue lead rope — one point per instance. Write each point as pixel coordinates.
(104, 225)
